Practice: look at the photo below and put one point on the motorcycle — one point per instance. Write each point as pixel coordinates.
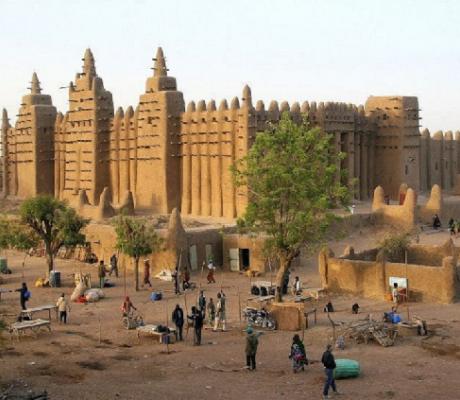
(260, 318)
(132, 320)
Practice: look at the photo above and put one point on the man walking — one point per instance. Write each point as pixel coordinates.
(211, 269)
(328, 361)
(147, 273)
(113, 265)
(178, 319)
(63, 307)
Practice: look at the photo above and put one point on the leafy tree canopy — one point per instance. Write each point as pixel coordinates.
(54, 222)
(136, 238)
(293, 182)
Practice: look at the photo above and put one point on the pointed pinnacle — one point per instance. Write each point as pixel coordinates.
(159, 69)
(5, 122)
(35, 88)
(89, 66)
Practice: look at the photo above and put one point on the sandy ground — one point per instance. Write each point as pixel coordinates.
(72, 363)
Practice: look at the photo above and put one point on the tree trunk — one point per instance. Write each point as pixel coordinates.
(285, 263)
(136, 272)
(49, 258)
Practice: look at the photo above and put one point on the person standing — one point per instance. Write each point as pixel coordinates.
(220, 312)
(24, 295)
(211, 311)
(436, 222)
(395, 293)
(252, 342)
(285, 286)
(197, 319)
(63, 308)
(101, 274)
(178, 319)
(175, 277)
(113, 265)
(297, 287)
(147, 272)
(202, 303)
(328, 361)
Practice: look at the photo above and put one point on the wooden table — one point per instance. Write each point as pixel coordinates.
(34, 326)
(151, 330)
(48, 307)
(259, 301)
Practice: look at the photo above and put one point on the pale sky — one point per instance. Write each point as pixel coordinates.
(342, 50)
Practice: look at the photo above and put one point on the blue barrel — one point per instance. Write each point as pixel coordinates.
(55, 279)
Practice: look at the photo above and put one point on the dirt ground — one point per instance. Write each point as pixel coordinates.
(82, 361)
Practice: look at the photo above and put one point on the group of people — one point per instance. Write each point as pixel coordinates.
(298, 357)
(177, 277)
(102, 270)
(62, 304)
(296, 287)
(215, 314)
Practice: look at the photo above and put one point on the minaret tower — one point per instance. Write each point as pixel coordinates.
(158, 131)
(87, 134)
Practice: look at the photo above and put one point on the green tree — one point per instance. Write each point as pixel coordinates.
(14, 235)
(55, 223)
(395, 245)
(291, 176)
(136, 238)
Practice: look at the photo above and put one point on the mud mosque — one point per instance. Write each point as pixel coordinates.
(164, 154)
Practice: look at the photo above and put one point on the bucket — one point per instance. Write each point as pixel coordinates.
(155, 296)
(55, 279)
(3, 265)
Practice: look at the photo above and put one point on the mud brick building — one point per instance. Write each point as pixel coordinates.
(170, 155)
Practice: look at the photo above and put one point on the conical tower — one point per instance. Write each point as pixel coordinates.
(35, 84)
(159, 68)
(89, 66)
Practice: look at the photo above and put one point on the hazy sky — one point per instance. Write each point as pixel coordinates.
(285, 50)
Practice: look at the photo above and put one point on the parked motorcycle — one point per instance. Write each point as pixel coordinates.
(132, 320)
(260, 318)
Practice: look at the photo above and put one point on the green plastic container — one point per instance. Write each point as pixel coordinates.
(3, 265)
(346, 368)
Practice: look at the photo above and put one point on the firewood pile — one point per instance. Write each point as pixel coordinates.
(362, 331)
